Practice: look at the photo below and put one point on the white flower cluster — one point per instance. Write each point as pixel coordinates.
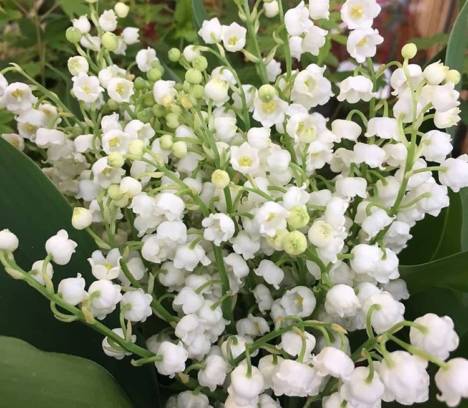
(260, 231)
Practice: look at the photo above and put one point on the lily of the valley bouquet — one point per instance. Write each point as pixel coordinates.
(258, 232)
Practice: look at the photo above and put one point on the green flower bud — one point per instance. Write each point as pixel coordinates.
(154, 74)
(295, 243)
(148, 100)
(200, 63)
(166, 141)
(73, 35)
(267, 93)
(179, 149)
(109, 41)
(193, 76)
(145, 115)
(277, 241)
(115, 159)
(112, 105)
(114, 192)
(136, 149)
(409, 51)
(298, 217)
(174, 54)
(453, 76)
(197, 91)
(140, 83)
(220, 178)
(172, 120)
(158, 111)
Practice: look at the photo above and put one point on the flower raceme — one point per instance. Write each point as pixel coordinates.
(256, 230)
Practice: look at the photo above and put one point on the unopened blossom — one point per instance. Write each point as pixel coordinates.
(334, 362)
(60, 247)
(434, 334)
(8, 241)
(173, 358)
(451, 381)
(405, 378)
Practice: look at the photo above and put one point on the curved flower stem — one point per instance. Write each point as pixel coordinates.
(223, 276)
(55, 298)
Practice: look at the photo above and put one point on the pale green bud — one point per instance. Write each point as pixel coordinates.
(136, 149)
(179, 149)
(409, 51)
(298, 217)
(200, 63)
(174, 54)
(109, 41)
(166, 141)
(115, 159)
(121, 9)
(81, 218)
(277, 241)
(193, 76)
(220, 178)
(267, 93)
(73, 35)
(114, 192)
(453, 76)
(295, 243)
(172, 120)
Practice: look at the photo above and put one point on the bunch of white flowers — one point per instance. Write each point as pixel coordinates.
(270, 230)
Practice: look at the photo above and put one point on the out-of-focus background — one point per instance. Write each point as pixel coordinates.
(32, 34)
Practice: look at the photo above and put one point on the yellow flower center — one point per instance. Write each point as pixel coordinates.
(357, 11)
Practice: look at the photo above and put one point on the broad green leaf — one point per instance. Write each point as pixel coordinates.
(30, 377)
(458, 41)
(450, 272)
(437, 237)
(33, 208)
(199, 13)
(464, 229)
(73, 8)
(423, 43)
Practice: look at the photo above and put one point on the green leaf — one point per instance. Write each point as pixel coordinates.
(458, 41)
(450, 272)
(437, 237)
(463, 194)
(423, 43)
(30, 377)
(199, 13)
(73, 8)
(33, 209)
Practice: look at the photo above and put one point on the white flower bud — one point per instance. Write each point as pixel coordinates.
(451, 381)
(214, 372)
(435, 73)
(334, 362)
(245, 387)
(72, 290)
(405, 378)
(60, 248)
(173, 358)
(435, 335)
(136, 305)
(8, 241)
(342, 301)
(81, 218)
(121, 9)
(271, 8)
